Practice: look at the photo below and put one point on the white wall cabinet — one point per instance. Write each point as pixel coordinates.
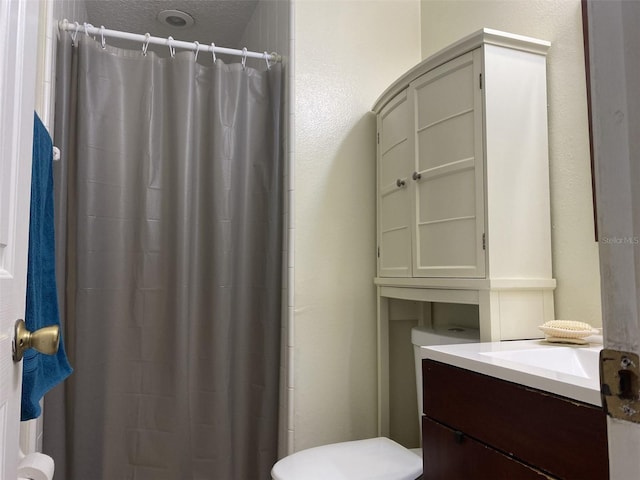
(463, 207)
(463, 183)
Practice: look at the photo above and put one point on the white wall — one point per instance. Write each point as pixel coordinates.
(346, 54)
(575, 252)
(268, 28)
(52, 11)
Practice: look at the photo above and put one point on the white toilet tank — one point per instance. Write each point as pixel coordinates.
(444, 335)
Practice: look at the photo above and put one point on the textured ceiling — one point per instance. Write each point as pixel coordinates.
(219, 21)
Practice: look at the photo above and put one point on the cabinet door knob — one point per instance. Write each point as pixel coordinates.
(458, 437)
(400, 183)
(416, 176)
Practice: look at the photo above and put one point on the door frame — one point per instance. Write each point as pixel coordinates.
(614, 74)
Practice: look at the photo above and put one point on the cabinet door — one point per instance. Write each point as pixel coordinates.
(448, 161)
(394, 201)
(564, 437)
(451, 455)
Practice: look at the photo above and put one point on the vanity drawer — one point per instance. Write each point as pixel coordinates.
(563, 437)
(451, 455)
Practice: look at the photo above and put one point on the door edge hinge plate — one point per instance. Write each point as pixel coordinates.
(620, 385)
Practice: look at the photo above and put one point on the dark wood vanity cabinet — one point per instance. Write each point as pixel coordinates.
(451, 454)
(480, 427)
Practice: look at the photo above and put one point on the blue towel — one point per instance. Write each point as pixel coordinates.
(41, 372)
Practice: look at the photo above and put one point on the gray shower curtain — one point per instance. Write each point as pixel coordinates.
(169, 232)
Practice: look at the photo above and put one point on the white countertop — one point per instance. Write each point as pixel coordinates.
(566, 370)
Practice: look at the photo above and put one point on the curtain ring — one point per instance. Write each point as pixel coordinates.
(172, 49)
(266, 59)
(86, 29)
(213, 52)
(197, 44)
(145, 45)
(102, 37)
(74, 35)
(244, 58)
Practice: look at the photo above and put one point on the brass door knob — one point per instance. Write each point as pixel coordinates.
(45, 340)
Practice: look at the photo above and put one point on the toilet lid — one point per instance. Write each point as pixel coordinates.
(371, 459)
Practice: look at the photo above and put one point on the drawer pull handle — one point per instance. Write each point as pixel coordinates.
(416, 176)
(400, 183)
(458, 437)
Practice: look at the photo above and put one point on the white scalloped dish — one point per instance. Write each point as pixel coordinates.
(567, 331)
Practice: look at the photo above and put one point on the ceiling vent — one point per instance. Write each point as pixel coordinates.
(175, 19)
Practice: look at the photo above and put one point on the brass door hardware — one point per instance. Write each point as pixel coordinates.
(620, 386)
(45, 340)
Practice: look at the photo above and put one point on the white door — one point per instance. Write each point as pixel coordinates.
(18, 33)
(615, 74)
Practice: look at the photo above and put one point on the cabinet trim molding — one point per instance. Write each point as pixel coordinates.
(468, 283)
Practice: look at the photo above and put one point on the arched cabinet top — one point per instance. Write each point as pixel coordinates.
(485, 36)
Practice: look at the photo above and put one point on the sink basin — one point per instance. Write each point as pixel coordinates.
(569, 371)
(570, 360)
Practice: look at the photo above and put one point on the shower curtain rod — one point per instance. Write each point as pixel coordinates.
(146, 39)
